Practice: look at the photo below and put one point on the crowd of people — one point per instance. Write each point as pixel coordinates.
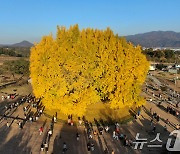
(117, 135)
(90, 134)
(30, 115)
(33, 109)
(156, 116)
(9, 96)
(101, 129)
(172, 111)
(48, 134)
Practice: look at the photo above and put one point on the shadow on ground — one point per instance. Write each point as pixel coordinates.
(16, 144)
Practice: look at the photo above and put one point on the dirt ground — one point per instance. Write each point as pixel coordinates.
(28, 140)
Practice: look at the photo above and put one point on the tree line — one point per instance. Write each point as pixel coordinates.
(165, 55)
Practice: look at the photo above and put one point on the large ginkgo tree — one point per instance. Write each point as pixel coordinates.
(83, 67)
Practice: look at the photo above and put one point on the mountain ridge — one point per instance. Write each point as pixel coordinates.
(20, 44)
(148, 39)
(156, 39)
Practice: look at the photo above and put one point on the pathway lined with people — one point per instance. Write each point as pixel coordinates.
(24, 128)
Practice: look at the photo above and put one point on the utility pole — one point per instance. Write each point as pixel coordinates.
(176, 77)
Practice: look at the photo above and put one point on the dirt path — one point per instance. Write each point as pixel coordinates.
(29, 140)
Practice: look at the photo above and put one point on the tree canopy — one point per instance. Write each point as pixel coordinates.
(164, 55)
(83, 67)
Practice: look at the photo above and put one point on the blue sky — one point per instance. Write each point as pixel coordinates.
(31, 19)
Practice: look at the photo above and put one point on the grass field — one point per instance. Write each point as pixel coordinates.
(8, 58)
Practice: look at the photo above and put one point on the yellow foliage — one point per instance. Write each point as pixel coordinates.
(80, 68)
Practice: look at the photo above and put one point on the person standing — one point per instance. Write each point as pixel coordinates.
(95, 133)
(92, 146)
(154, 129)
(151, 121)
(50, 132)
(72, 122)
(115, 135)
(20, 125)
(69, 121)
(177, 126)
(101, 130)
(42, 147)
(138, 113)
(88, 146)
(77, 136)
(30, 118)
(64, 147)
(41, 130)
(80, 121)
(165, 128)
(151, 110)
(107, 128)
(55, 119)
(2, 98)
(7, 124)
(46, 147)
(90, 136)
(158, 118)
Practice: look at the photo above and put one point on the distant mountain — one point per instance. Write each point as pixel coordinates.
(156, 39)
(4, 45)
(22, 44)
